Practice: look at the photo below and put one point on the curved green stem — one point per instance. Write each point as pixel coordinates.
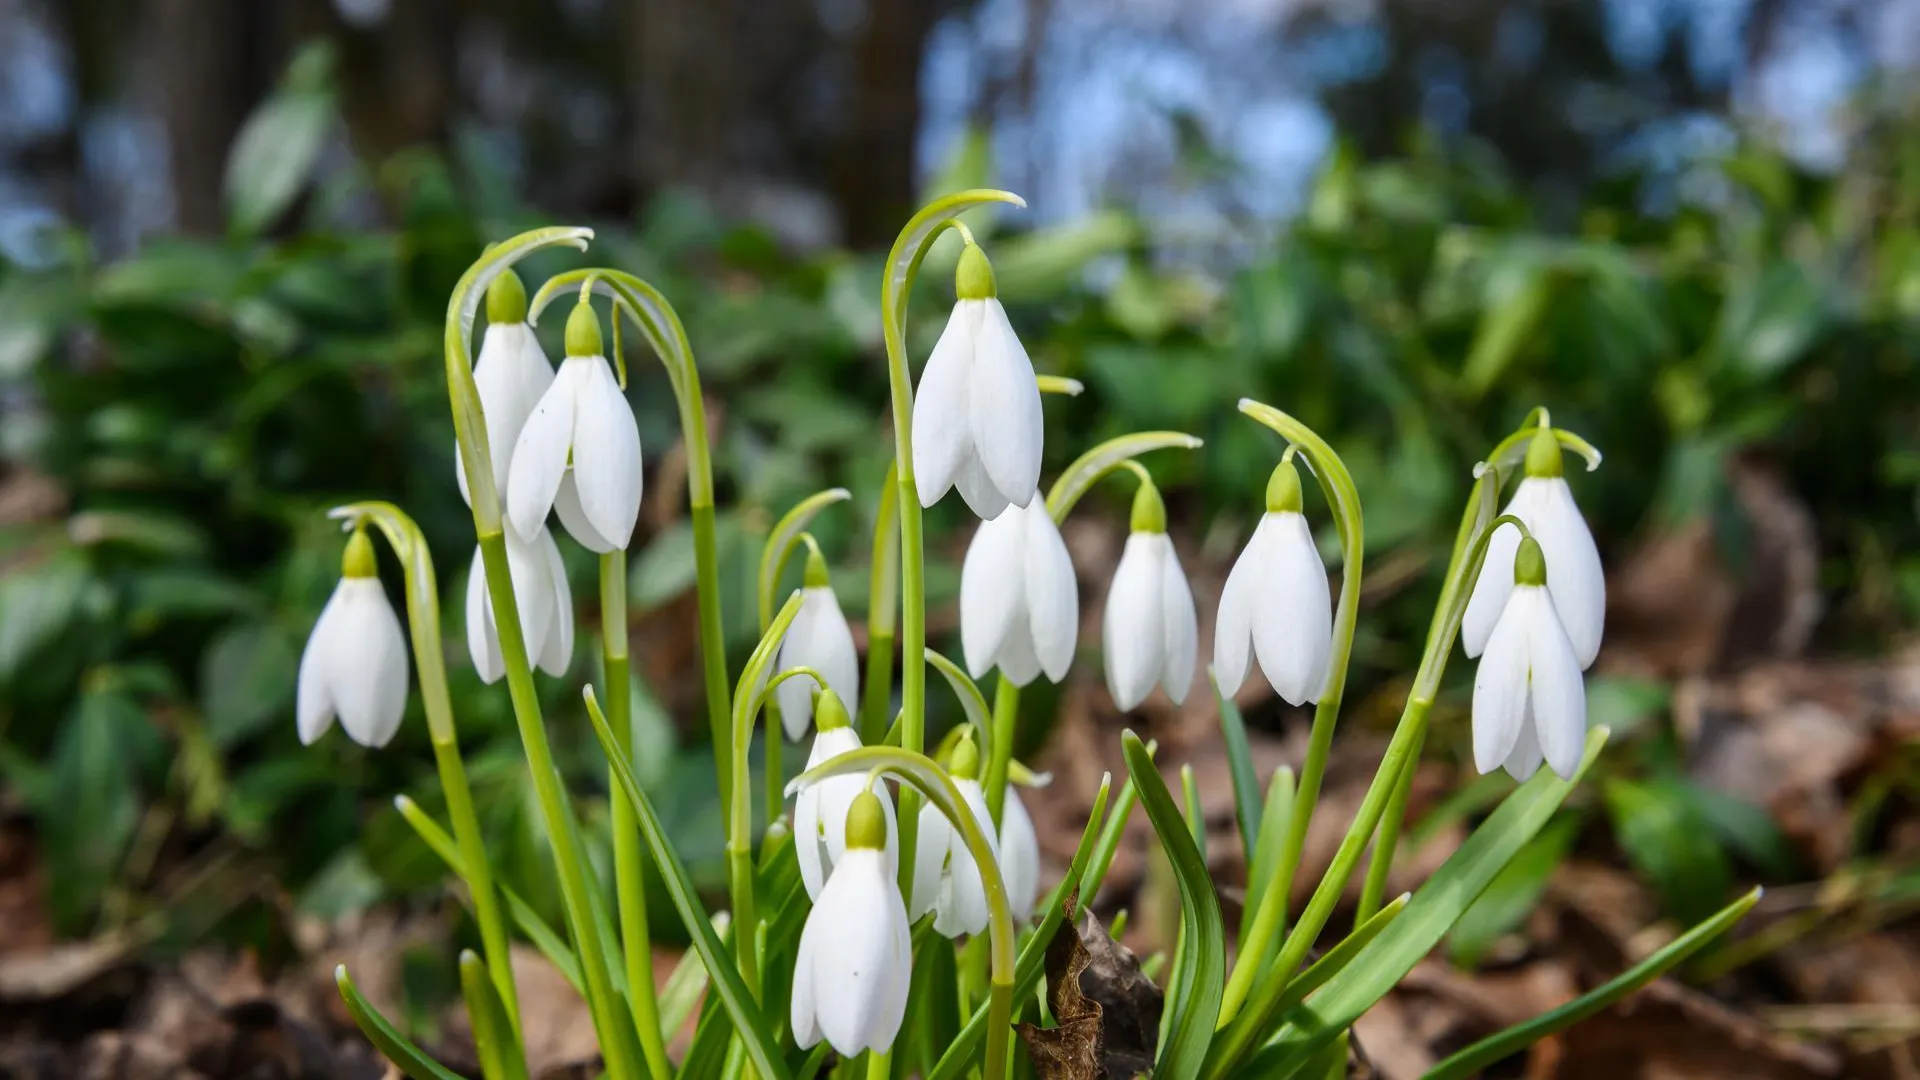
(786, 535)
(1006, 713)
(1091, 467)
(429, 658)
(937, 788)
(883, 610)
(1344, 498)
(661, 325)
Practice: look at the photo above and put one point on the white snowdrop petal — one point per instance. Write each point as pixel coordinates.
(511, 375)
(1182, 625)
(606, 459)
(1019, 855)
(1492, 587)
(827, 648)
(802, 1016)
(977, 489)
(851, 966)
(540, 454)
(1289, 606)
(929, 862)
(1558, 696)
(1005, 404)
(556, 645)
(1233, 622)
(573, 518)
(1524, 760)
(1018, 663)
(809, 840)
(942, 433)
(314, 711)
(1500, 685)
(1053, 593)
(483, 641)
(1574, 574)
(1133, 632)
(369, 664)
(992, 593)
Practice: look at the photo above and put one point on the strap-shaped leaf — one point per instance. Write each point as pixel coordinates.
(1202, 964)
(1518, 1037)
(1246, 782)
(748, 1024)
(500, 1057)
(386, 1038)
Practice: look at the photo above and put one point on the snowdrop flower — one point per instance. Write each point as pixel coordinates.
(946, 879)
(1019, 602)
(819, 638)
(1276, 600)
(545, 606)
(1528, 701)
(851, 973)
(1150, 633)
(976, 417)
(1019, 855)
(579, 452)
(1574, 578)
(820, 814)
(355, 663)
(511, 375)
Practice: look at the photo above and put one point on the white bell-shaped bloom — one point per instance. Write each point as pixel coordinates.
(820, 811)
(1545, 503)
(544, 602)
(819, 638)
(855, 960)
(1276, 602)
(1019, 855)
(1019, 601)
(579, 452)
(512, 374)
(946, 879)
(976, 416)
(355, 663)
(1149, 633)
(1528, 699)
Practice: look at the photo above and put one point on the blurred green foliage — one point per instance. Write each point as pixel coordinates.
(197, 406)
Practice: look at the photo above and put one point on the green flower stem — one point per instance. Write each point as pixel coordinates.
(1341, 494)
(661, 325)
(921, 774)
(780, 545)
(429, 658)
(629, 861)
(883, 610)
(1006, 712)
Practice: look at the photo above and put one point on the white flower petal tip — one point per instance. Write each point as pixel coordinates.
(1149, 632)
(819, 638)
(976, 414)
(544, 602)
(855, 959)
(354, 667)
(582, 432)
(1529, 700)
(1019, 856)
(1276, 608)
(1574, 574)
(1019, 598)
(946, 879)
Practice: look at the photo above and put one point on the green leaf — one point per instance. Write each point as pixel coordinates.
(278, 146)
(1669, 843)
(1512, 893)
(1246, 782)
(247, 678)
(1265, 864)
(40, 602)
(1517, 297)
(1504, 1044)
(1203, 962)
(500, 1056)
(92, 802)
(394, 1046)
(1750, 831)
(1435, 908)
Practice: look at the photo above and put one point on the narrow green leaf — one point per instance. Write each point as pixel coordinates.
(1246, 782)
(1513, 892)
(1503, 1044)
(387, 1039)
(1204, 961)
(1337, 958)
(1265, 864)
(972, 701)
(1670, 844)
(687, 984)
(280, 143)
(500, 1057)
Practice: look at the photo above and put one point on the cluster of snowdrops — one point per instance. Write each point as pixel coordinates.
(892, 913)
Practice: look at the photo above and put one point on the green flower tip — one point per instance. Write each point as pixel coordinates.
(1543, 454)
(965, 762)
(866, 822)
(829, 712)
(1283, 489)
(583, 332)
(1149, 510)
(1529, 563)
(816, 576)
(973, 278)
(507, 299)
(358, 560)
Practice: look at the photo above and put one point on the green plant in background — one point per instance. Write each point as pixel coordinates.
(855, 964)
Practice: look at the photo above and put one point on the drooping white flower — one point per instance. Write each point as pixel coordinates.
(820, 812)
(1150, 633)
(511, 375)
(1019, 855)
(1276, 601)
(855, 959)
(1019, 600)
(355, 663)
(946, 879)
(1528, 698)
(976, 415)
(539, 592)
(819, 638)
(1545, 503)
(579, 452)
